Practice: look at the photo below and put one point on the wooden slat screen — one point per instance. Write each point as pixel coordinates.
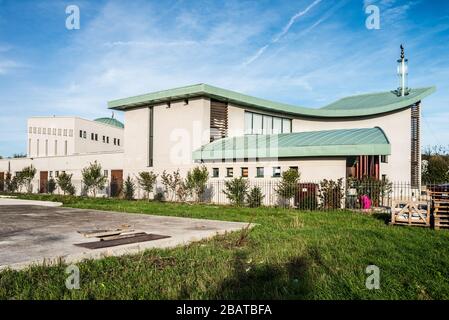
(218, 120)
(415, 145)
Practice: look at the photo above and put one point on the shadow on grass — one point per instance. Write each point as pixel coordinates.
(253, 280)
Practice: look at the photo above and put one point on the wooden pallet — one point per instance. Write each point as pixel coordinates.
(411, 213)
(440, 205)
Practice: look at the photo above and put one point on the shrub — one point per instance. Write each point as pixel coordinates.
(146, 181)
(288, 185)
(436, 170)
(64, 181)
(331, 193)
(236, 190)
(129, 189)
(11, 183)
(93, 178)
(255, 197)
(27, 175)
(171, 183)
(196, 181)
(51, 187)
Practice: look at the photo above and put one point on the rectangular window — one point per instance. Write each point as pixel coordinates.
(107, 139)
(81, 133)
(44, 131)
(215, 172)
(39, 130)
(96, 137)
(71, 133)
(65, 132)
(29, 147)
(294, 168)
(104, 139)
(267, 125)
(115, 141)
(65, 147)
(277, 125)
(245, 172)
(50, 174)
(56, 147)
(118, 142)
(276, 172)
(34, 129)
(59, 132)
(384, 159)
(229, 172)
(248, 123)
(286, 126)
(54, 131)
(105, 173)
(84, 134)
(30, 130)
(37, 147)
(57, 173)
(92, 136)
(260, 172)
(46, 148)
(257, 123)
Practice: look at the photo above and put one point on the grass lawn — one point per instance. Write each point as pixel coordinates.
(289, 255)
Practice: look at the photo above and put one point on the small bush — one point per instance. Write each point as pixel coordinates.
(93, 178)
(129, 189)
(64, 181)
(51, 186)
(236, 190)
(196, 181)
(255, 197)
(146, 181)
(331, 194)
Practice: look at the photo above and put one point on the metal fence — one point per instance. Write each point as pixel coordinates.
(311, 195)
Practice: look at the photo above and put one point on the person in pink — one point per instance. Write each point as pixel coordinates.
(365, 202)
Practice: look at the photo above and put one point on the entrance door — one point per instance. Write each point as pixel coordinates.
(43, 184)
(2, 181)
(116, 182)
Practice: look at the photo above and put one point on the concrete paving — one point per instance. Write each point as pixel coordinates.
(37, 234)
(7, 201)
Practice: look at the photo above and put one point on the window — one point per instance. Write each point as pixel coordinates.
(118, 142)
(44, 131)
(107, 139)
(84, 134)
(104, 139)
(71, 133)
(105, 172)
(229, 172)
(39, 130)
(96, 137)
(92, 136)
(81, 133)
(65, 147)
(54, 131)
(256, 123)
(59, 132)
(276, 172)
(49, 131)
(46, 148)
(115, 141)
(294, 168)
(384, 159)
(57, 173)
(50, 173)
(34, 129)
(65, 132)
(30, 130)
(56, 147)
(245, 172)
(215, 172)
(260, 172)
(29, 147)
(37, 147)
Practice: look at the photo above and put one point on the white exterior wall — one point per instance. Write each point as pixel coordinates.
(65, 130)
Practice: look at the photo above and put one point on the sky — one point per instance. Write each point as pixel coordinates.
(303, 52)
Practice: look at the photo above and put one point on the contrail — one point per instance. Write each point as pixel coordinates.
(284, 31)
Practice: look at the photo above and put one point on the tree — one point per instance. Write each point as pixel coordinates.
(27, 175)
(255, 197)
(171, 183)
(196, 181)
(64, 181)
(146, 181)
(129, 188)
(436, 170)
(331, 194)
(236, 190)
(93, 178)
(11, 183)
(288, 185)
(51, 186)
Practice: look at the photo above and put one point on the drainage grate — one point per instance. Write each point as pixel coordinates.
(121, 240)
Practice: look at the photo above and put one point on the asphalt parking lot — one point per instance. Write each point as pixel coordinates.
(33, 234)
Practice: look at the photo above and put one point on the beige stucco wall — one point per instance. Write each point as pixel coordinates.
(66, 130)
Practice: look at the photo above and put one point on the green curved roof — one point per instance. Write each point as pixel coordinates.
(353, 106)
(344, 142)
(111, 121)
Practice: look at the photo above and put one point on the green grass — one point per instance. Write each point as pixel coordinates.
(289, 255)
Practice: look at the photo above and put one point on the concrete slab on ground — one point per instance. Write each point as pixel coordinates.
(7, 201)
(37, 234)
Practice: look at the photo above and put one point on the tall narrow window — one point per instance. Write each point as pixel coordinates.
(37, 147)
(65, 147)
(257, 123)
(286, 126)
(29, 147)
(277, 125)
(248, 123)
(46, 148)
(56, 147)
(150, 136)
(267, 125)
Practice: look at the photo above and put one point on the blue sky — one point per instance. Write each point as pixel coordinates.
(304, 52)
